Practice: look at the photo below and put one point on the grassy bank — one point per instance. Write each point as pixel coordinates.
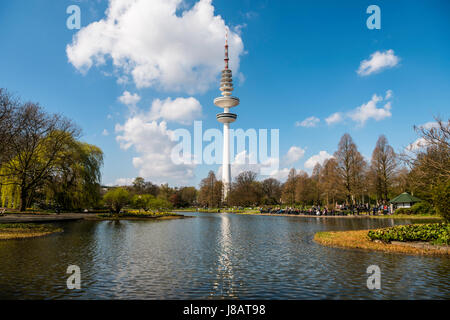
(360, 239)
(25, 230)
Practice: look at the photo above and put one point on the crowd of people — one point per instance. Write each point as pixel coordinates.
(339, 210)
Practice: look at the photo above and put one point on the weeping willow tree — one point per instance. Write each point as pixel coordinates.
(75, 180)
(10, 192)
(70, 181)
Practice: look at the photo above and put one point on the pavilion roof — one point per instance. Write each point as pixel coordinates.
(405, 197)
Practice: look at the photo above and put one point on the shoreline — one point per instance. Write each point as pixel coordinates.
(358, 239)
(145, 218)
(63, 217)
(412, 217)
(26, 231)
(23, 226)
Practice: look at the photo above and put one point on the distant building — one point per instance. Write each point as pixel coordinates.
(404, 200)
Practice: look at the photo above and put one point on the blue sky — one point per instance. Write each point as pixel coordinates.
(297, 59)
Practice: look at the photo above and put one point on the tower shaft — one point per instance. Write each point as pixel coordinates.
(226, 166)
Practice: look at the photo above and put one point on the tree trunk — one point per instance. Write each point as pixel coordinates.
(23, 199)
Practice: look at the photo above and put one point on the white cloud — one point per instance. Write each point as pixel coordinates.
(430, 125)
(243, 162)
(369, 110)
(181, 110)
(154, 143)
(421, 143)
(129, 99)
(334, 118)
(280, 174)
(308, 122)
(293, 155)
(122, 182)
(105, 132)
(158, 43)
(366, 111)
(377, 62)
(318, 158)
(268, 169)
(388, 94)
(417, 145)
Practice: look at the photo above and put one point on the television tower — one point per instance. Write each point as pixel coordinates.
(226, 117)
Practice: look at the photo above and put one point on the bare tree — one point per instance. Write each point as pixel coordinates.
(303, 188)
(8, 123)
(429, 160)
(331, 185)
(289, 187)
(351, 166)
(382, 168)
(210, 193)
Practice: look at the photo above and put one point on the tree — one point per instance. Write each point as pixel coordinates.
(303, 190)
(271, 189)
(400, 181)
(382, 168)
(289, 187)
(75, 180)
(188, 196)
(316, 184)
(351, 166)
(143, 201)
(165, 192)
(116, 199)
(139, 185)
(210, 193)
(430, 163)
(36, 149)
(150, 188)
(158, 204)
(441, 199)
(330, 180)
(8, 124)
(245, 191)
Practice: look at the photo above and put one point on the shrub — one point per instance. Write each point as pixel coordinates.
(404, 211)
(441, 200)
(434, 232)
(422, 207)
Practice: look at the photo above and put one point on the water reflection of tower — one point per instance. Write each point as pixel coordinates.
(225, 267)
(226, 102)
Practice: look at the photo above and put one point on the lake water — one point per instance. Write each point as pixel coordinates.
(213, 256)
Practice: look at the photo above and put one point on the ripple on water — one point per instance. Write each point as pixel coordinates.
(213, 256)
